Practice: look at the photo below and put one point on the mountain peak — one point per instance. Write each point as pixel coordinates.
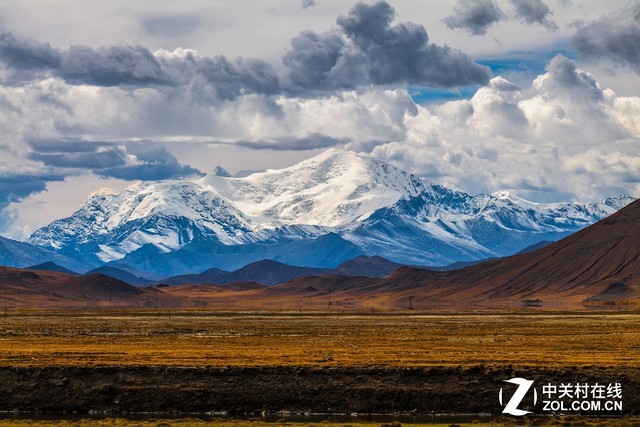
(502, 195)
(619, 202)
(332, 189)
(106, 191)
(336, 152)
(220, 171)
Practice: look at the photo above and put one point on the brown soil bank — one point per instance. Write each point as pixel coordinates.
(250, 390)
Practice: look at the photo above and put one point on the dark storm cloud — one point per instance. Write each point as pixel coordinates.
(366, 49)
(110, 159)
(313, 57)
(27, 54)
(111, 66)
(15, 187)
(230, 80)
(105, 66)
(615, 38)
(100, 157)
(475, 16)
(533, 11)
(136, 66)
(152, 165)
(564, 76)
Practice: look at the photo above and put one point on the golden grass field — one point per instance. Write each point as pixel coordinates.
(409, 339)
(196, 338)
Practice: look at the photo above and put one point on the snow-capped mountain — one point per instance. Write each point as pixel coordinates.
(317, 213)
(334, 189)
(167, 215)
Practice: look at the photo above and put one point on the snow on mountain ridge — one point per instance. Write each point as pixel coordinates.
(506, 195)
(166, 214)
(333, 189)
(380, 208)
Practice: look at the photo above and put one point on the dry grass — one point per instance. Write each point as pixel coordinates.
(187, 422)
(219, 339)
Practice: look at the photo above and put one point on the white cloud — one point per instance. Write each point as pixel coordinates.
(503, 137)
(563, 137)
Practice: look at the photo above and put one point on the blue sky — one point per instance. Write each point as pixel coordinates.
(519, 67)
(537, 97)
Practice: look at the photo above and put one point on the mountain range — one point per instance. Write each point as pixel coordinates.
(597, 267)
(268, 272)
(317, 214)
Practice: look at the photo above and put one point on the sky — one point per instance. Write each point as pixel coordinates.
(537, 97)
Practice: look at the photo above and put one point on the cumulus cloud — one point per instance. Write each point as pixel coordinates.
(564, 77)
(230, 80)
(563, 138)
(106, 66)
(366, 49)
(27, 54)
(110, 66)
(533, 11)
(615, 37)
(131, 65)
(101, 112)
(475, 16)
(504, 137)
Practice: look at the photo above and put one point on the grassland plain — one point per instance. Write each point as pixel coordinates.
(189, 422)
(411, 362)
(202, 338)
